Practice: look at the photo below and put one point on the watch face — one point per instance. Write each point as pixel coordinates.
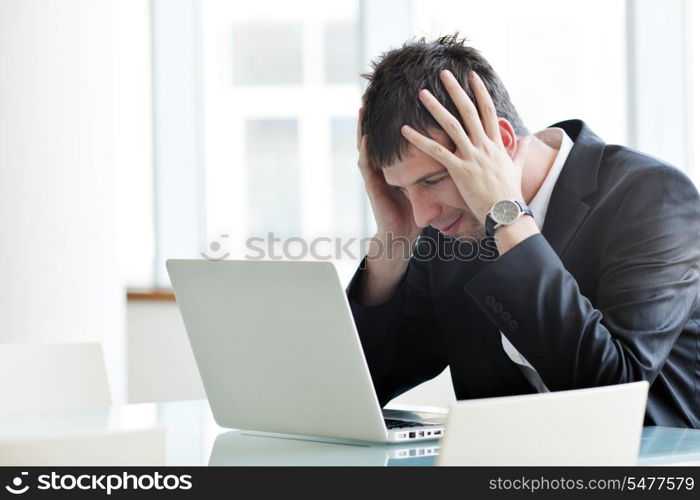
(505, 212)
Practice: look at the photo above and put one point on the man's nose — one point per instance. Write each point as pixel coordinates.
(425, 210)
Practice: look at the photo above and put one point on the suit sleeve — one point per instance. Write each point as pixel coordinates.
(647, 290)
(399, 337)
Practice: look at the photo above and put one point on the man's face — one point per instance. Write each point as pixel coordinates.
(433, 195)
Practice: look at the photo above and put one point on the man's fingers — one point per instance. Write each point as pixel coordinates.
(360, 114)
(362, 161)
(465, 106)
(489, 118)
(432, 148)
(375, 184)
(369, 174)
(449, 123)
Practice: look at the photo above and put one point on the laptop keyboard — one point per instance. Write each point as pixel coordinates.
(392, 423)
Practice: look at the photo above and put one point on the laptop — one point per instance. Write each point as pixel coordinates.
(596, 426)
(277, 350)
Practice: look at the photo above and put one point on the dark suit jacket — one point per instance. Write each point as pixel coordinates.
(607, 294)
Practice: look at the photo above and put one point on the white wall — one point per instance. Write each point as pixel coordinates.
(161, 363)
(57, 216)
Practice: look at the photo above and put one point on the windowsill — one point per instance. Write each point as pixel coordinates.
(150, 295)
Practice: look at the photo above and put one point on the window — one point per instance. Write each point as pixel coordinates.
(254, 105)
(281, 93)
(133, 154)
(556, 64)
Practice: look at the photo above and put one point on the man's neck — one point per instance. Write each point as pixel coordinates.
(540, 158)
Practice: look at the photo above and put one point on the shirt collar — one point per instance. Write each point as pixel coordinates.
(540, 202)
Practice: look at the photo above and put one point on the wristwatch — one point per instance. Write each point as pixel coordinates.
(505, 212)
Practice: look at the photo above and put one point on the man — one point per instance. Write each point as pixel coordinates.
(587, 268)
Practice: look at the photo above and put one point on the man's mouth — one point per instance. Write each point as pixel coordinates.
(448, 229)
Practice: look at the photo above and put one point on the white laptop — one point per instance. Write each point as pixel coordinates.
(277, 351)
(596, 426)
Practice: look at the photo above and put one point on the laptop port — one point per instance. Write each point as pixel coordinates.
(411, 435)
(437, 433)
(421, 434)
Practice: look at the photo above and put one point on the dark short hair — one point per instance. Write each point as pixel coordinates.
(391, 97)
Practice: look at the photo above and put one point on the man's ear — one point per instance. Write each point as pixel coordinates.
(510, 140)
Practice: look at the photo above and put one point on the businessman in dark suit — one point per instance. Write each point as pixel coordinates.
(538, 262)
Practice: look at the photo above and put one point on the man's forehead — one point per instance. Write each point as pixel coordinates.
(414, 163)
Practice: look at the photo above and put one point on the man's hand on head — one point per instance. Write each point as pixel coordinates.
(390, 248)
(391, 209)
(480, 166)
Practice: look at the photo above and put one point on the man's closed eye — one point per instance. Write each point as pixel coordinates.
(432, 182)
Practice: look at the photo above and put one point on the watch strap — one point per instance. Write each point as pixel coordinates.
(490, 226)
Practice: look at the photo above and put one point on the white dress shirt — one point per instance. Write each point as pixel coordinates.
(556, 138)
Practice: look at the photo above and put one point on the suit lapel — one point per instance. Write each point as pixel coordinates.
(578, 179)
(565, 215)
